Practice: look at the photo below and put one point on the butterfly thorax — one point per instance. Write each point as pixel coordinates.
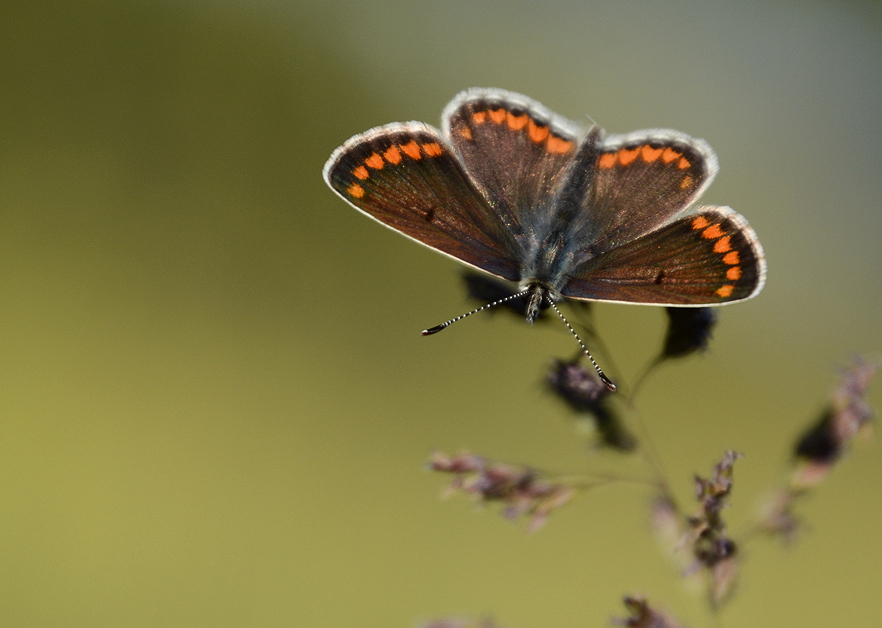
(550, 259)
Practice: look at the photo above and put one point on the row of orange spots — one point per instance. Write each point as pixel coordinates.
(432, 149)
(625, 156)
(558, 145)
(722, 245)
(537, 133)
(516, 123)
(392, 155)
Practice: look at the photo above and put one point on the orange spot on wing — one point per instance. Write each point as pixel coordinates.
(537, 133)
(734, 273)
(479, 117)
(722, 245)
(432, 149)
(731, 258)
(626, 155)
(725, 291)
(607, 160)
(683, 163)
(558, 145)
(393, 156)
(361, 173)
(355, 190)
(700, 223)
(465, 132)
(670, 155)
(649, 153)
(412, 150)
(497, 116)
(516, 123)
(374, 161)
(711, 233)
(686, 182)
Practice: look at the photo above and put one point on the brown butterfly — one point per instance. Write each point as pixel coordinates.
(515, 190)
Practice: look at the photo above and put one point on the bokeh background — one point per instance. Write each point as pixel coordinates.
(215, 405)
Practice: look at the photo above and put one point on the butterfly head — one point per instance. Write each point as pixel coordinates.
(539, 297)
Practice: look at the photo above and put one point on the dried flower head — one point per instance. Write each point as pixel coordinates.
(819, 449)
(583, 391)
(689, 330)
(711, 548)
(848, 413)
(644, 616)
(519, 488)
(712, 493)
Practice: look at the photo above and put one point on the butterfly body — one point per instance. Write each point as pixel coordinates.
(517, 191)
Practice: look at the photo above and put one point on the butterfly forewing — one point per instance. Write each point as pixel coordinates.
(711, 257)
(405, 176)
(515, 151)
(641, 181)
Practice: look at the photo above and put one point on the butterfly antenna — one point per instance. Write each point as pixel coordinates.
(443, 326)
(607, 381)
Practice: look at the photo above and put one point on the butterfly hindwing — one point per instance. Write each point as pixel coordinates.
(711, 257)
(406, 177)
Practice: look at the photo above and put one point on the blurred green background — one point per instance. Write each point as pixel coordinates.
(215, 405)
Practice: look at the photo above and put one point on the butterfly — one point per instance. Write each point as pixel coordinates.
(513, 189)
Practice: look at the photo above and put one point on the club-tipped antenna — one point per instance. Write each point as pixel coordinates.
(445, 325)
(606, 380)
